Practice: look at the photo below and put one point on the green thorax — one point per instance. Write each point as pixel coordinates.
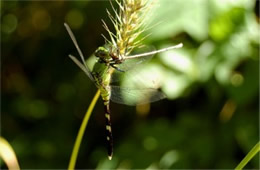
(102, 71)
(102, 75)
(107, 54)
(103, 55)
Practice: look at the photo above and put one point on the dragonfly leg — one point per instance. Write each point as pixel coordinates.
(115, 67)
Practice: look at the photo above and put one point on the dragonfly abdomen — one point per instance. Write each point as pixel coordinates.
(105, 94)
(109, 136)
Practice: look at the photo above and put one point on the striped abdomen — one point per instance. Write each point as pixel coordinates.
(109, 136)
(105, 93)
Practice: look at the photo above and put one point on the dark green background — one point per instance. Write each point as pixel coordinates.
(44, 95)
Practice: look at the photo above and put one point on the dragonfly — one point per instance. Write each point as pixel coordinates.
(102, 76)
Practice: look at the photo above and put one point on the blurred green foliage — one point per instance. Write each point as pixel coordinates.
(211, 117)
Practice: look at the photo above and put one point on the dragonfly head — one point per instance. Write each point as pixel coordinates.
(103, 54)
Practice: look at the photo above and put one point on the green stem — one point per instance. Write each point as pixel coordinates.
(75, 150)
(249, 156)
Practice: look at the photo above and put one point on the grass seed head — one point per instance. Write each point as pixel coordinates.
(129, 22)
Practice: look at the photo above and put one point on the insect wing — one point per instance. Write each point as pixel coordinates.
(139, 86)
(82, 67)
(128, 96)
(131, 66)
(75, 42)
(130, 63)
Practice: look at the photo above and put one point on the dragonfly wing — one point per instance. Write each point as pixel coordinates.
(75, 43)
(137, 59)
(82, 67)
(128, 96)
(130, 67)
(148, 76)
(130, 63)
(142, 55)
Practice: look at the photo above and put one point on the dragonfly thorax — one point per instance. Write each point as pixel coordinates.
(103, 55)
(108, 56)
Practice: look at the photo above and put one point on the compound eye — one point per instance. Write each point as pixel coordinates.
(100, 53)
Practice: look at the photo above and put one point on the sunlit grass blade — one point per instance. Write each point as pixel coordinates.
(81, 132)
(249, 156)
(8, 155)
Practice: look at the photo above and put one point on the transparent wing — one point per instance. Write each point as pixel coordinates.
(154, 52)
(130, 63)
(75, 42)
(131, 66)
(137, 60)
(128, 96)
(82, 67)
(141, 55)
(146, 76)
(139, 86)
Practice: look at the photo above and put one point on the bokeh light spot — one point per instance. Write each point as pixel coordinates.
(45, 149)
(227, 111)
(181, 61)
(38, 109)
(168, 159)
(143, 109)
(75, 18)
(64, 92)
(150, 143)
(41, 19)
(24, 28)
(9, 23)
(237, 79)
(175, 85)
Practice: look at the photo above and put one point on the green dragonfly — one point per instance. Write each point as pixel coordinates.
(102, 75)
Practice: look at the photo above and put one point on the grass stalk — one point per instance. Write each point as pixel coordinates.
(249, 156)
(8, 155)
(83, 126)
